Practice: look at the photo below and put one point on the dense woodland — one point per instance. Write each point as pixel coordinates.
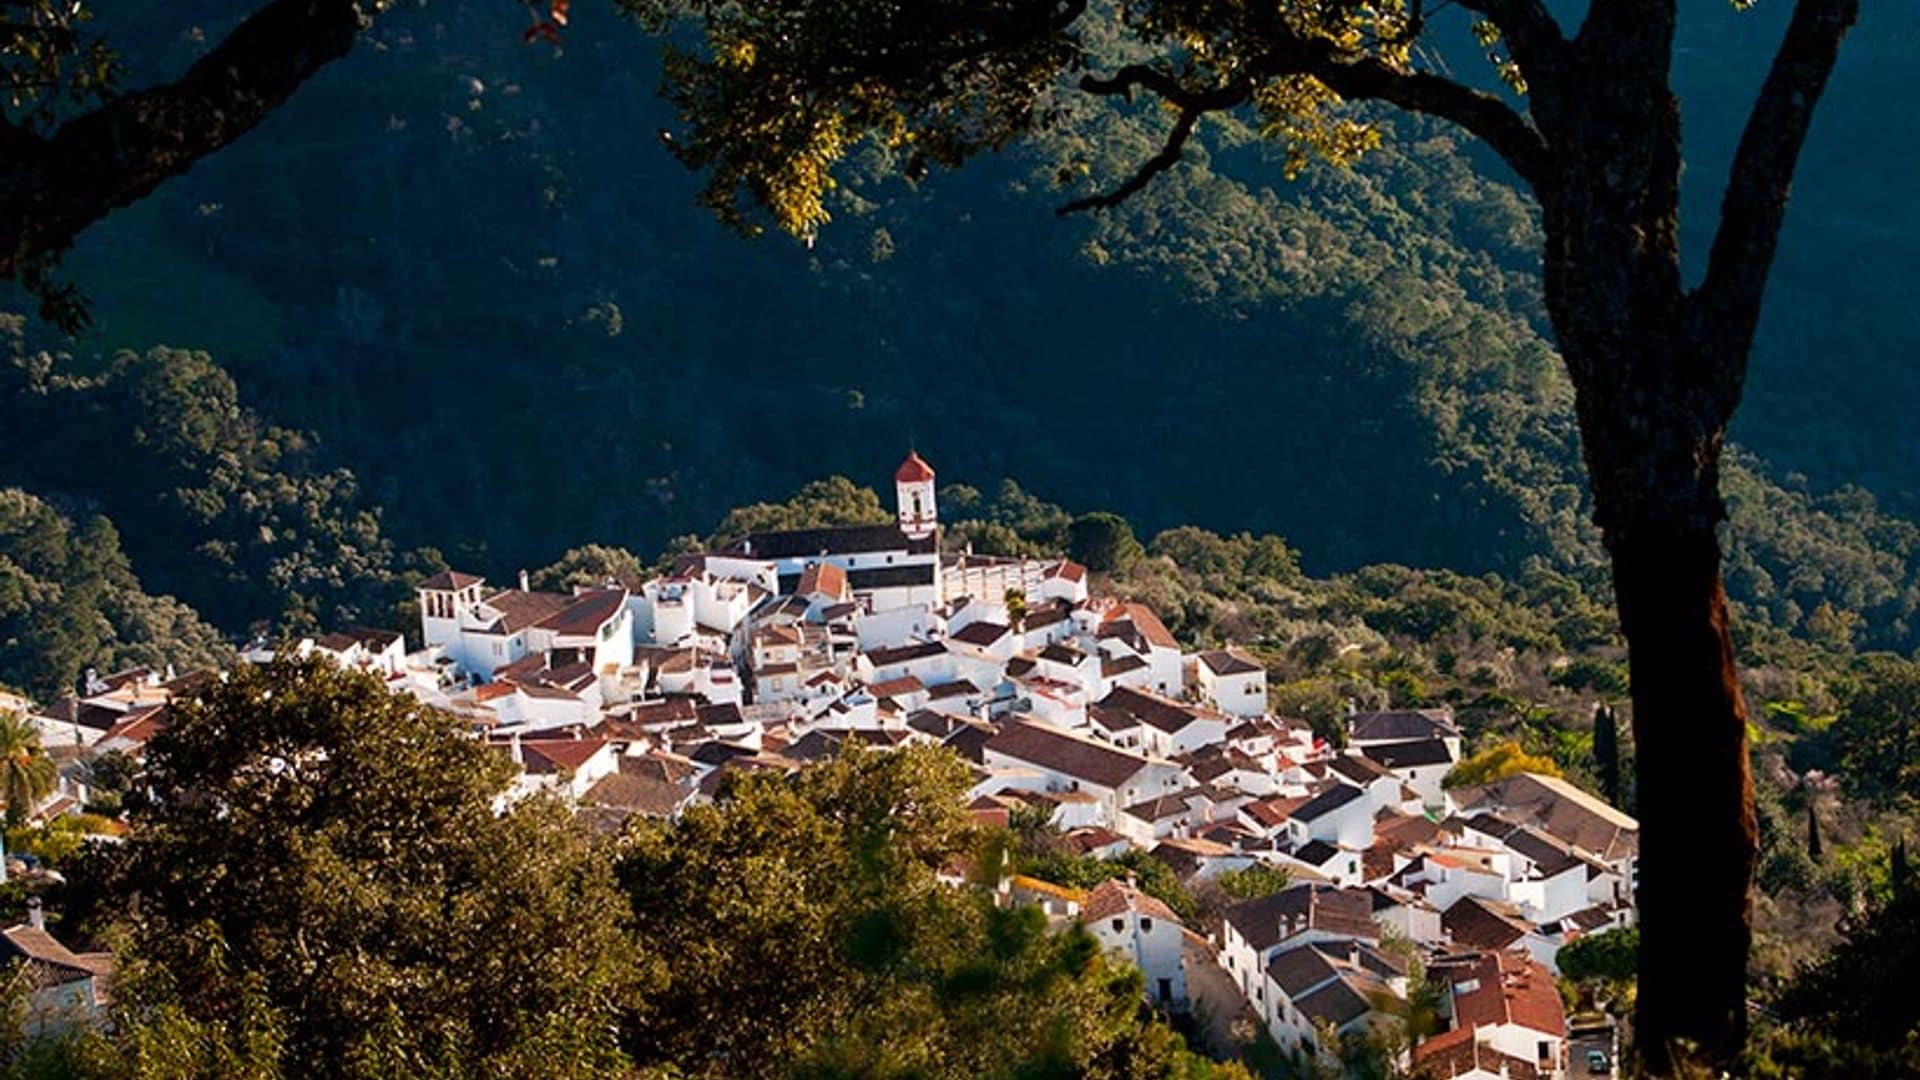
(1368, 342)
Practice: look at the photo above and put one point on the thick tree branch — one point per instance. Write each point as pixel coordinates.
(1364, 78)
(54, 186)
(1479, 112)
(1727, 303)
(1193, 104)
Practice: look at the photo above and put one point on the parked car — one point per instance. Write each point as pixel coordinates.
(1597, 1062)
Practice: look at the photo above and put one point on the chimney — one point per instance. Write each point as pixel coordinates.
(36, 913)
(523, 581)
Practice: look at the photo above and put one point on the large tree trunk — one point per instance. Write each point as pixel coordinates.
(1653, 450)
(1653, 407)
(1698, 840)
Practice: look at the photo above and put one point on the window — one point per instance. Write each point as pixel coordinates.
(1119, 925)
(1146, 926)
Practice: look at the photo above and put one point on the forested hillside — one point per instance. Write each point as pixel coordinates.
(463, 268)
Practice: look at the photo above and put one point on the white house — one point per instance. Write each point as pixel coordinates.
(65, 989)
(1421, 764)
(1336, 985)
(1065, 761)
(1340, 815)
(1253, 931)
(1166, 727)
(1146, 933)
(1134, 628)
(1231, 681)
(1511, 1004)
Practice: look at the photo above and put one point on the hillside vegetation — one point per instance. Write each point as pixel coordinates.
(466, 268)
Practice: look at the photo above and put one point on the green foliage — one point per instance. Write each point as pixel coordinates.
(58, 841)
(326, 889)
(1613, 955)
(240, 518)
(1254, 881)
(1103, 542)
(27, 774)
(833, 501)
(1152, 876)
(1877, 736)
(1861, 992)
(69, 601)
(799, 929)
(1501, 760)
(593, 564)
(1606, 752)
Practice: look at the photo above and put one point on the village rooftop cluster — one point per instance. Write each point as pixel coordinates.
(641, 697)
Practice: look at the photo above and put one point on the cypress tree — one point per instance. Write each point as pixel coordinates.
(1606, 752)
(1814, 847)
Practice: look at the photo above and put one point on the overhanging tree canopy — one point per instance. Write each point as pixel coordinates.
(73, 148)
(779, 90)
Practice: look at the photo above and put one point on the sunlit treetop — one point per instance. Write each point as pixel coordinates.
(775, 92)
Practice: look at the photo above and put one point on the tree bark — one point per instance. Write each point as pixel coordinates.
(1652, 395)
(1699, 840)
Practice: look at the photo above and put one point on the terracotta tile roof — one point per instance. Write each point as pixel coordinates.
(1457, 1052)
(1229, 662)
(1268, 920)
(1114, 897)
(902, 654)
(1479, 924)
(1092, 838)
(823, 579)
(1408, 755)
(138, 725)
(1357, 769)
(50, 963)
(1072, 755)
(1068, 570)
(1159, 712)
(1401, 725)
(648, 796)
(450, 581)
(558, 755)
(1275, 811)
(1559, 809)
(1133, 621)
(913, 470)
(1327, 802)
(900, 687)
(585, 613)
(1504, 987)
(981, 633)
(519, 610)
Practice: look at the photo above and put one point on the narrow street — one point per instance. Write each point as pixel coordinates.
(1217, 1004)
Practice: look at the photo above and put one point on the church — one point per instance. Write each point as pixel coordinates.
(886, 567)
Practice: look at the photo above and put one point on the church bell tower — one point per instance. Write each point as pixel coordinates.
(913, 493)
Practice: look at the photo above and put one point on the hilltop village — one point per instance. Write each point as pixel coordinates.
(642, 697)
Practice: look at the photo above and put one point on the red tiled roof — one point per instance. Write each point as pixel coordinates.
(449, 581)
(1113, 896)
(914, 470)
(1452, 1053)
(1505, 988)
(824, 579)
(559, 754)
